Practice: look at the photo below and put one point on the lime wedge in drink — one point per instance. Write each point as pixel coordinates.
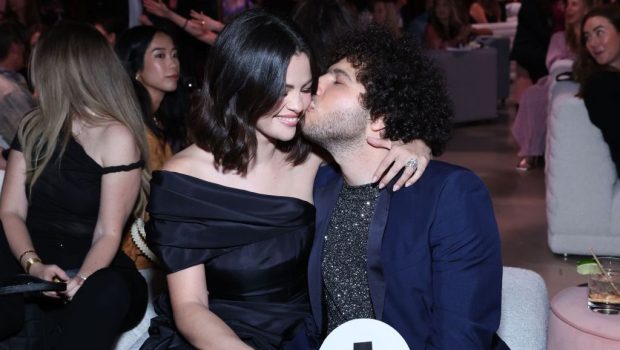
(588, 267)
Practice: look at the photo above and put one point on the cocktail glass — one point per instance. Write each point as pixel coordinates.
(604, 287)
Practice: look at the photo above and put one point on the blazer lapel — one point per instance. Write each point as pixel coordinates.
(324, 200)
(376, 279)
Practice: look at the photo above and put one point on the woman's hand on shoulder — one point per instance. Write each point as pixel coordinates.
(413, 157)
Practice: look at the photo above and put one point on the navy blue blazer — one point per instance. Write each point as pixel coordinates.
(434, 259)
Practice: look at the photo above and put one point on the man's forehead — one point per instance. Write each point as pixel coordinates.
(344, 66)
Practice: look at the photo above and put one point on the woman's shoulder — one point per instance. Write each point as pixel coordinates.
(193, 161)
(114, 133)
(603, 79)
(118, 144)
(601, 83)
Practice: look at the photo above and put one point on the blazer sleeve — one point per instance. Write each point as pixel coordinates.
(466, 266)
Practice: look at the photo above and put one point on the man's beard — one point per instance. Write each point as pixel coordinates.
(338, 131)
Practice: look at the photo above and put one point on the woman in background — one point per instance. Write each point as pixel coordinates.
(384, 14)
(598, 72)
(447, 26)
(530, 126)
(75, 174)
(150, 57)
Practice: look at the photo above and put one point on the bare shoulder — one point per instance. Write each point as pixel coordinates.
(118, 145)
(192, 161)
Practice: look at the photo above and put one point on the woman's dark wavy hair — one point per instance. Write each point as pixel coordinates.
(403, 86)
(585, 65)
(173, 110)
(244, 79)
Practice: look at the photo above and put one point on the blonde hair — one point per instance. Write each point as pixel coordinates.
(77, 75)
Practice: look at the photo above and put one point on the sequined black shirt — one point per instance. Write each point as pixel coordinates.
(344, 264)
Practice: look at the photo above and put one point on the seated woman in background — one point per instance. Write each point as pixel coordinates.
(149, 56)
(530, 125)
(447, 26)
(74, 174)
(598, 72)
(483, 11)
(231, 216)
(384, 14)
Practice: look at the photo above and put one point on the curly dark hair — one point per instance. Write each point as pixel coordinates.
(402, 85)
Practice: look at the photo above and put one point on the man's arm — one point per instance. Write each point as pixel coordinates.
(466, 265)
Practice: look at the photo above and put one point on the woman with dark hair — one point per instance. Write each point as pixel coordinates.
(149, 56)
(75, 173)
(598, 72)
(231, 216)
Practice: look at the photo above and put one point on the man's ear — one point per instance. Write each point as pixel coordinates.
(377, 125)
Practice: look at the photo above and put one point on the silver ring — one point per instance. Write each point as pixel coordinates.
(412, 163)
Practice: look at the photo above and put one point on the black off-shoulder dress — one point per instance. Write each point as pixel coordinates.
(254, 248)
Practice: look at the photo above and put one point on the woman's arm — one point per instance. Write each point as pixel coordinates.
(207, 27)
(558, 49)
(190, 307)
(202, 27)
(119, 191)
(13, 213)
(432, 40)
(476, 11)
(398, 158)
(159, 9)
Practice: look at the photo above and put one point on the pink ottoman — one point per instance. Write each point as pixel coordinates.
(573, 326)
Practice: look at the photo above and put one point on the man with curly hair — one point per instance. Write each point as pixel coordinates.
(426, 260)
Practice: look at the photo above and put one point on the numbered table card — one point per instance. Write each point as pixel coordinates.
(364, 334)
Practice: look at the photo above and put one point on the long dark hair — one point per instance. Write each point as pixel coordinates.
(173, 110)
(585, 65)
(244, 80)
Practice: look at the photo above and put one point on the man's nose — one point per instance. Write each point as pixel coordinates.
(321, 85)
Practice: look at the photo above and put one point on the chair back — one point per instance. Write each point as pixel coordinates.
(525, 310)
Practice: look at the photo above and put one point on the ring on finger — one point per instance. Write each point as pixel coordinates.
(412, 163)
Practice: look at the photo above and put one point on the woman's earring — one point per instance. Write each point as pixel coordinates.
(137, 77)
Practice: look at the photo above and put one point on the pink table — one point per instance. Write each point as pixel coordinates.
(572, 326)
